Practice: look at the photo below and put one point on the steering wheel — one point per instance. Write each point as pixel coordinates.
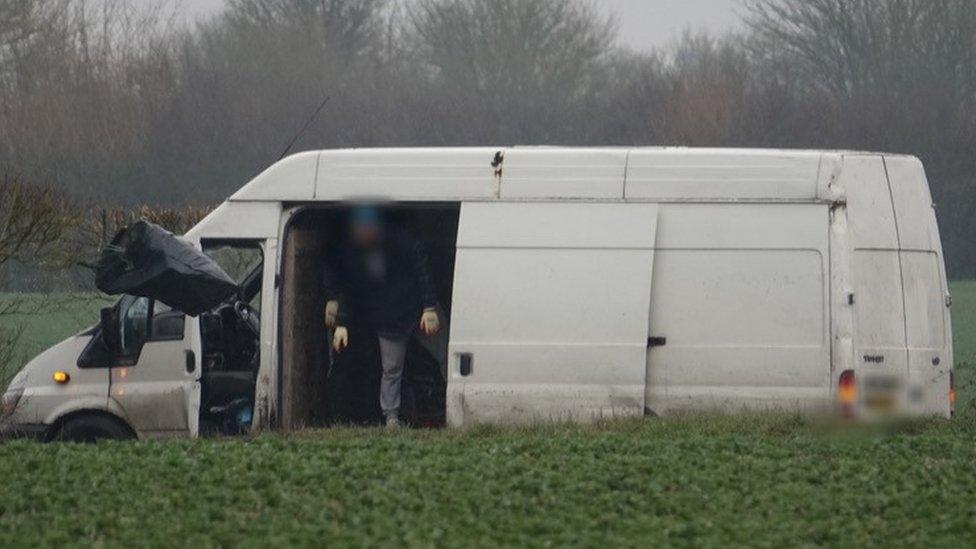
(248, 318)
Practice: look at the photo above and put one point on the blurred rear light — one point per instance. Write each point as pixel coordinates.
(847, 393)
(952, 392)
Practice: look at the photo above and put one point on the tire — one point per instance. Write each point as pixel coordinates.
(92, 428)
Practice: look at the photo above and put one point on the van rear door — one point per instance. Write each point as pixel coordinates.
(903, 354)
(550, 311)
(926, 290)
(880, 360)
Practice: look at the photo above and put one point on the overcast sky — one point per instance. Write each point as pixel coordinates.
(643, 23)
(648, 23)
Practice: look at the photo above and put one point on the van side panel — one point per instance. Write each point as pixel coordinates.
(239, 221)
(406, 174)
(290, 180)
(550, 307)
(266, 403)
(742, 303)
(564, 173)
(721, 174)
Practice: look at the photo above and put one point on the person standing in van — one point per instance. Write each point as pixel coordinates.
(381, 278)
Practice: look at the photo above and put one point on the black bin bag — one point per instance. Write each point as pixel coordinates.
(146, 260)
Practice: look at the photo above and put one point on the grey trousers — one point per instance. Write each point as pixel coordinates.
(393, 353)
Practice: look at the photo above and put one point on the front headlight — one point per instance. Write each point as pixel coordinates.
(9, 402)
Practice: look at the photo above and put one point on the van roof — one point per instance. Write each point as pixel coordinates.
(547, 173)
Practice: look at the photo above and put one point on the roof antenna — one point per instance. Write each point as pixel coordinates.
(304, 128)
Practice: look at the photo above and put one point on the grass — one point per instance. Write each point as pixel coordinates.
(42, 321)
(964, 321)
(769, 481)
(964, 344)
(756, 481)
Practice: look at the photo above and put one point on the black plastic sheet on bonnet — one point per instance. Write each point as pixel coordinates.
(146, 260)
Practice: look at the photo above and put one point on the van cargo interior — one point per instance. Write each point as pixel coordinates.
(320, 387)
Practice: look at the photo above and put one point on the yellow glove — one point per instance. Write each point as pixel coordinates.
(430, 323)
(331, 314)
(340, 340)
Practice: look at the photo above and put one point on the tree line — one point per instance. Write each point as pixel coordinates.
(49, 243)
(125, 106)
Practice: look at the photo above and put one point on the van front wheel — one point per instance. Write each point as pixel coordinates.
(92, 428)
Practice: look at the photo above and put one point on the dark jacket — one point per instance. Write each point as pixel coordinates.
(391, 305)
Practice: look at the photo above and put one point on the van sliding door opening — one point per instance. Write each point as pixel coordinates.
(317, 386)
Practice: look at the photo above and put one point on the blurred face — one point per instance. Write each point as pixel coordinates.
(365, 234)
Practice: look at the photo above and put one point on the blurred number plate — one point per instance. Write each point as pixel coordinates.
(881, 393)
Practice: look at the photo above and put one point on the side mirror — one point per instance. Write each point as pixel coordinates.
(109, 324)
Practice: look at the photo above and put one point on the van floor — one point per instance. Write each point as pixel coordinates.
(353, 386)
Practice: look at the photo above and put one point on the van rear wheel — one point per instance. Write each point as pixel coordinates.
(92, 428)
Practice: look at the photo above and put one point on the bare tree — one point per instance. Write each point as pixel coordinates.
(100, 225)
(896, 75)
(858, 47)
(33, 221)
(514, 67)
(79, 83)
(41, 229)
(350, 26)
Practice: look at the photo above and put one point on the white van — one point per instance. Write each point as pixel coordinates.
(579, 283)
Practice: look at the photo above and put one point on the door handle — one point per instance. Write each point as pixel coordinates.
(191, 362)
(465, 361)
(656, 342)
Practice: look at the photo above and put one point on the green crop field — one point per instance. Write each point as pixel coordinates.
(756, 481)
(43, 320)
(964, 344)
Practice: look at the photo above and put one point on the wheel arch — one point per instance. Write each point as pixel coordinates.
(56, 425)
